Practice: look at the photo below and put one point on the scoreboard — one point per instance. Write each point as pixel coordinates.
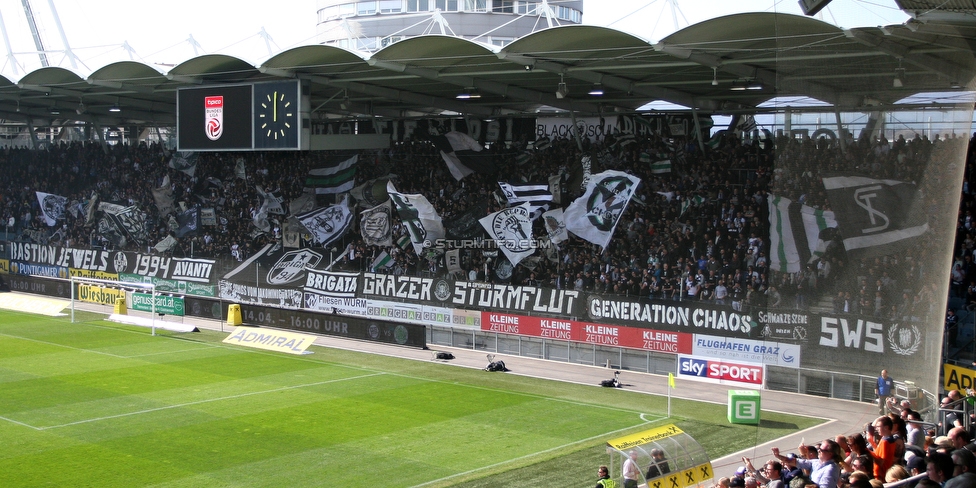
(243, 117)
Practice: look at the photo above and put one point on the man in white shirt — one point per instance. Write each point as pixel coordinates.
(632, 473)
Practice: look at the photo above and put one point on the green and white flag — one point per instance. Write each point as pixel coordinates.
(794, 233)
(694, 201)
(661, 167)
(384, 260)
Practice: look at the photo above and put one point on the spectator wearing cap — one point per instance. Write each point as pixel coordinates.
(963, 470)
(915, 465)
(825, 470)
(942, 444)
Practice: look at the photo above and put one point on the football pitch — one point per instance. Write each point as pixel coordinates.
(96, 403)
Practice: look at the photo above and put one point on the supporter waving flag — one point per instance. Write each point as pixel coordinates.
(327, 224)
(536, 194)
(594, 215)
(52, 207)
(794, 233)
(336, 175)
(419, 216)
(511, 228)
(463, 154)
(875, 216)
(376, 225)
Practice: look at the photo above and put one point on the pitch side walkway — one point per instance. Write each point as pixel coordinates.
(842, 416)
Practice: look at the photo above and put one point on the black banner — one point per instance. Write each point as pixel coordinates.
(444, 292)
(688, 316)
(39, 286)
(116, 262)
(335, 325)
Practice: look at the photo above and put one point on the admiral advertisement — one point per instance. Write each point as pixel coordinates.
(691, 317)
(92, 263)
(335, 325)
(273, 276)
(445, 292)
(586, 332)
(721, 371)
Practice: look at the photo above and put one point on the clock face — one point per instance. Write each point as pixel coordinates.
(276, 115)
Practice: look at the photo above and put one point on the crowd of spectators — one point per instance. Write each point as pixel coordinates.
(716, 250)
(894, 447)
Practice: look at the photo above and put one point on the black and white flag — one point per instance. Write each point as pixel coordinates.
(328, 223)
(164, 197)
(555, 223)
(876, 217)
(52, 207)
(463, 154)
(129, 220)
(594, 215)
(511, 228)
(419, 216)
(188, 222)
(376, 225)
(185, 162)
(272, 199)
(536, 194)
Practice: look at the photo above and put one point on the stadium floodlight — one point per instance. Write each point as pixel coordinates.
(812, 7)
(562, 90)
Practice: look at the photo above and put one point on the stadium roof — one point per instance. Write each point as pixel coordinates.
(696, 67)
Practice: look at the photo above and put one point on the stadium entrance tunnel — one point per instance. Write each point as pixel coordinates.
(665, 457)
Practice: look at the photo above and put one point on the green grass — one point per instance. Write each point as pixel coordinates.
(102, 404)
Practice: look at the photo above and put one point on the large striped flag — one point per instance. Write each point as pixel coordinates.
(876, 217)
(537, 194)
(794, 233)
(334, 176)
(661, 167)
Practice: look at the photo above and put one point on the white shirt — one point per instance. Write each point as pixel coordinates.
(631, 472)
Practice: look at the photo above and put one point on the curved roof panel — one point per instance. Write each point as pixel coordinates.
(704, 66)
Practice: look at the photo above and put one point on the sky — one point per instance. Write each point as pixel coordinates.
(159, 33)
